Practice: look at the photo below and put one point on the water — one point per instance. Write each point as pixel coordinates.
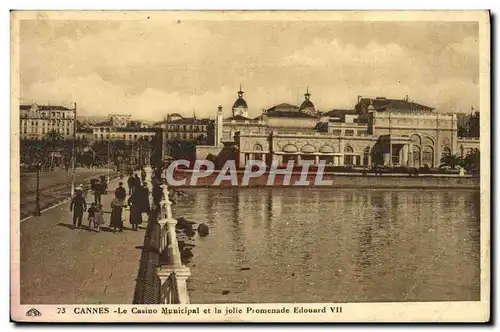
(331, 245)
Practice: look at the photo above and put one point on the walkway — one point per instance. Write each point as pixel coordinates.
(66, 266)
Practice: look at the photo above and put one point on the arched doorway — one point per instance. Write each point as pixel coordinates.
(416, 156)
(428, 156)
(348, 157)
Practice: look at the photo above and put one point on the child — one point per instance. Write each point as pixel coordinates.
(92, 210)
(116, 215)
(99, 218)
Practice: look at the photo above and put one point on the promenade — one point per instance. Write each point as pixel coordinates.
(55, 186)
(72, 266)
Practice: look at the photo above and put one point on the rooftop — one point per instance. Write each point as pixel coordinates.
(339, 113)
(45, 107)
(194, 121)
(400, 105)
(237, 118)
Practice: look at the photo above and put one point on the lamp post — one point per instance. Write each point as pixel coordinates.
(74, 154)
(37, 201)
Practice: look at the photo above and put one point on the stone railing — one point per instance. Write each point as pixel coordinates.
(172, 273)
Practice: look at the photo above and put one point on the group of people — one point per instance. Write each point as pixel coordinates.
(138, 202)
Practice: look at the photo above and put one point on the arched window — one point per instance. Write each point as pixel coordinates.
(366, 156)
(428, 156)
(348, 158)
(415, 139)
(257, 147)
(416, 156)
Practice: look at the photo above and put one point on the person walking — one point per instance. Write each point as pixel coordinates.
(97, 192)
(144, 198)
(135, 210)
(78, 206)
(99, 218)
(137, 182)
(92, 210)
(131, 184)
(120, 193)
(143, 175)
(116, 215)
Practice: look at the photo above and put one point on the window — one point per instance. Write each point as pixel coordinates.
(349, 132)
(95, 136)
(395, 156)
(67, 131)
(362, 132)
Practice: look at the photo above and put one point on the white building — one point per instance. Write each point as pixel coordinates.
(38, 120)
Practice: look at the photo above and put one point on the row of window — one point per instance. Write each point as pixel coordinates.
(64, 115)
(349, 132)
(50, 122)
(187, 127)
(182, 135)
(24, 130)
(124, 136)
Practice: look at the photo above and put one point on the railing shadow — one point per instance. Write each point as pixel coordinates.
(147, 287)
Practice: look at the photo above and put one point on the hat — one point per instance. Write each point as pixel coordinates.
(79, 188)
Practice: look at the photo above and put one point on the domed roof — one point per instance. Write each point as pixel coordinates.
(240, 102)
(307, 103)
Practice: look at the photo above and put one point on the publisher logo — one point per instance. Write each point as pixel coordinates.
(33, 312)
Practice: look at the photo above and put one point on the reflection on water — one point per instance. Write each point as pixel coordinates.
(330, 245)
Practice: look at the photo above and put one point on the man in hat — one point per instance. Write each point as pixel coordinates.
(78, 206)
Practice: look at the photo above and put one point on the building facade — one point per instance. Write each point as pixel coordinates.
(177, 127)
(129, 133)
(377, 131)
(36, 121)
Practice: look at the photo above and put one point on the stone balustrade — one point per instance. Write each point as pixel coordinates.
(172, 273)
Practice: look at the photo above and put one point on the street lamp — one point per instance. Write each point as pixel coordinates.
(37, 201)
(74, 154)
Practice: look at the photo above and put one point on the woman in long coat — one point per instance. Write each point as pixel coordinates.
(116, 215)
(135, 210)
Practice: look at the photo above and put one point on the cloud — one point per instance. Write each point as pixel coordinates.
(321, 53)
(151, 68)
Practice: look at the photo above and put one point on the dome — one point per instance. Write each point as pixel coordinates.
(307, 104)
(240, 102)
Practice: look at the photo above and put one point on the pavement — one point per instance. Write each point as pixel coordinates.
(61, 265)
(55, 187)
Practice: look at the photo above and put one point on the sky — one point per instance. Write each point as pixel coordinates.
(148, 68)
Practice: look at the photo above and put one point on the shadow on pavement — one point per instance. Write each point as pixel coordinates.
(147, 287)
(84, 227)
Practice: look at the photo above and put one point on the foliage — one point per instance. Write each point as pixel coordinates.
(451, 161)
(472, 126)
(472, 161)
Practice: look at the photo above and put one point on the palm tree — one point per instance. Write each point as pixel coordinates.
(451, 160)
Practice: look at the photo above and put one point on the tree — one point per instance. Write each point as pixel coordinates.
(472, 161)
(474, 125)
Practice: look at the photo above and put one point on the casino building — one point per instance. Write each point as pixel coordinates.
(376, 131)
